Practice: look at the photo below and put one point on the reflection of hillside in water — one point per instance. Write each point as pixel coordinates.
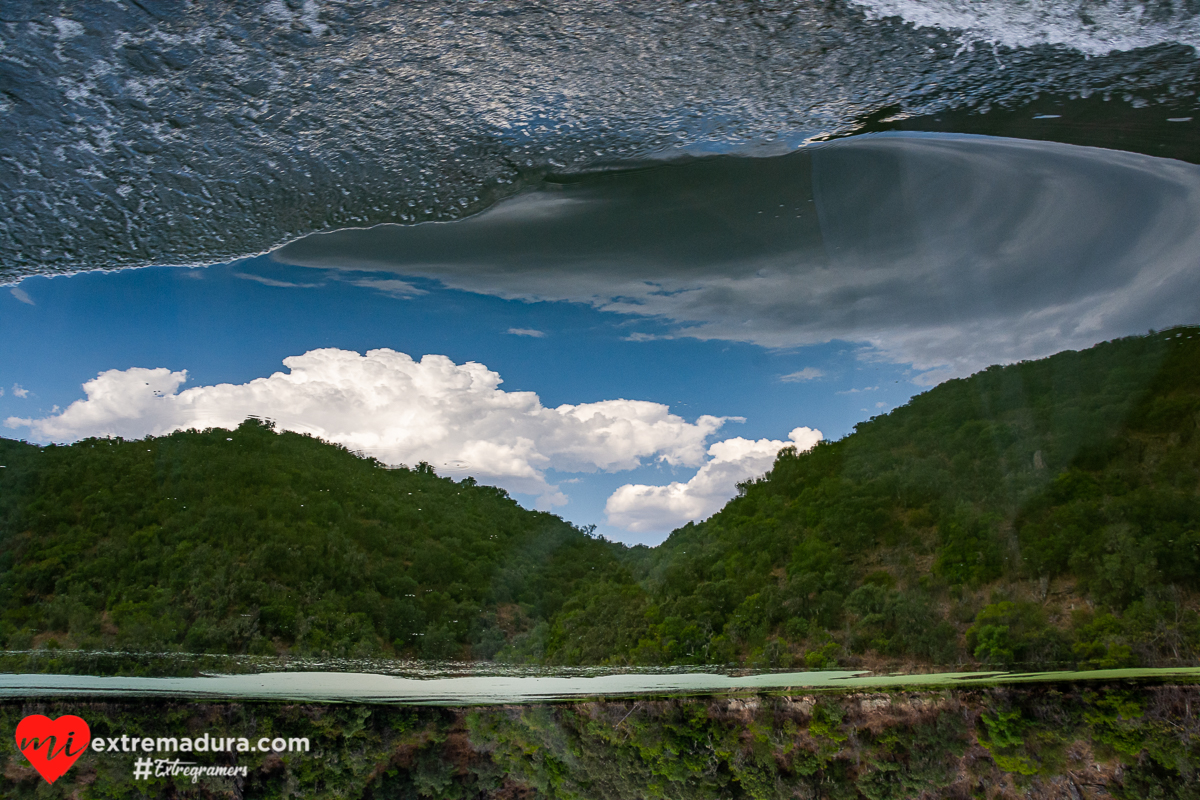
(134, 134)
(949, 252)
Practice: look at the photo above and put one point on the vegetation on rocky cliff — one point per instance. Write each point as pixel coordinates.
(1126, 741)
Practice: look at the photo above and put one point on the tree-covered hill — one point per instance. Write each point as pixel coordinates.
(1044, 513)
(256, 541)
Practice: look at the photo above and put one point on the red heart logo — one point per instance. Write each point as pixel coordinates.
(52, 745)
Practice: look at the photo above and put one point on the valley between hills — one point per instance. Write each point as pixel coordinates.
(1039, 515)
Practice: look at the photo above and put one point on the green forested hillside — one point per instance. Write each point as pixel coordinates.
(1045, 513)
(253, 541)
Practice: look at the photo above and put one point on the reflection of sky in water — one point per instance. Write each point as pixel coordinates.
(947, 252)
(809, 290)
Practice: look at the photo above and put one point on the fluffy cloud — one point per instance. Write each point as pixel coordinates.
(947, 252)
(643, 509)
(399, 410)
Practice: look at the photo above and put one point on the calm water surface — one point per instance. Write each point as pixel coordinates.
(424, 684)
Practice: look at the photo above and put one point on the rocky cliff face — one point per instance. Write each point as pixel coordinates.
(1043, 741)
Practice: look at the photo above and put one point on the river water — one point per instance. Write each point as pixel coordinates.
(466, 684)
(236, 127)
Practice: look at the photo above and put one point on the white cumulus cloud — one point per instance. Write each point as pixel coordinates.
(642, 509)
(399, 410)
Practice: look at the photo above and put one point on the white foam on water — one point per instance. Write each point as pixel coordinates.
(67, 28)
(1095, 28)
(309, 15)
